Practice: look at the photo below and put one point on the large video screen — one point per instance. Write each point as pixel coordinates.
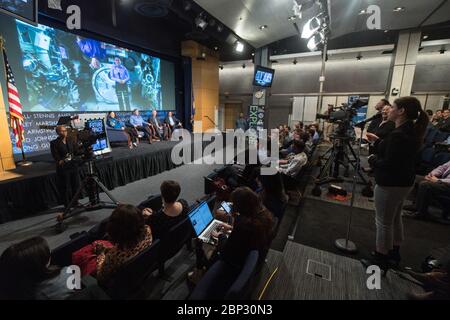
(63, 72)
(22, 9)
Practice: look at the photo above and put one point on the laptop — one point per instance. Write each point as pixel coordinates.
(203, 222)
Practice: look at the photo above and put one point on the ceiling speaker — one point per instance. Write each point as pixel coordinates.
(153, 8)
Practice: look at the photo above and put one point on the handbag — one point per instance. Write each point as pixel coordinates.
(86, 258)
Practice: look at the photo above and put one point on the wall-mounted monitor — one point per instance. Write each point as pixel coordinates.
(25, 10)
(263, 77)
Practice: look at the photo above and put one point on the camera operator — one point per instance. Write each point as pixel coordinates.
(394, 166)
(63, 151)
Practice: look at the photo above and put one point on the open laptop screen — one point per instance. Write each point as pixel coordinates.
(200, 218)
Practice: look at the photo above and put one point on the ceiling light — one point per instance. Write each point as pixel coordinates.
(399, 9)
(200, 22)
(310, 27)
(425, 37)
(386, 31)
(239, 46)
(216, 48)
(263, 27)
(292, 18)
(253, 54)
(315, 41)
(187, 5)
(363, 11)
(219, 28)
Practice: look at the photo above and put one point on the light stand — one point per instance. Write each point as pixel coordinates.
(345, 244)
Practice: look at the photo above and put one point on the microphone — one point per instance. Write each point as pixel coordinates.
(363, 123)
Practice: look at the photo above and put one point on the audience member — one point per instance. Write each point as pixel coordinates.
(295, 162)
(132, 133)
(381, 131)
(273, 194)
(130, 236)
(252, 229)
(138, 123)
(26, 273)
(379, 108)
(435, 185)
(444, 123)
(437, 117)
(171, 213)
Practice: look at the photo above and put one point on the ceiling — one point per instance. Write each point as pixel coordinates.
(245, 17)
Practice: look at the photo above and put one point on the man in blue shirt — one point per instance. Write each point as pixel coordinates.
(139, 124)
(119, 74)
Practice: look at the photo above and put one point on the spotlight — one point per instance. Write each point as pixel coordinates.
(216, 48)
(200, 22)
(263, 27)
(253, 54)
(399, 9)
(239, 46)
(243, 66)
(425, 37)
(219, 27)
(363, 11)
(310, 27)
(315, 41)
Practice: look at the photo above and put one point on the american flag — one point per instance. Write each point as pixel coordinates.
(15, 107)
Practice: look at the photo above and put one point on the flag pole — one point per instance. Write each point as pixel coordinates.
(23, 162)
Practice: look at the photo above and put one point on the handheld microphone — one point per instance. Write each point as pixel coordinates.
(363, 123)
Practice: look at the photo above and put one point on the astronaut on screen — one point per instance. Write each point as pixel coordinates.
(119, 74)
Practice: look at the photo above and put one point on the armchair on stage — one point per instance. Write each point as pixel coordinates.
(118, 135)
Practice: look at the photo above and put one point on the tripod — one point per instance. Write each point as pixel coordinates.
(336, 156)
(91, 183)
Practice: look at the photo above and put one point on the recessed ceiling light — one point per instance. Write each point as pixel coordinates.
(292, 18)
(253, 54)
(399, 9)
(216, 48)
(239, 46)
(263, 27)
(425, 37)
(386, 31)
(363, 11)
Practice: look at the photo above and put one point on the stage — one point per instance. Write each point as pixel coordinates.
(27, 191)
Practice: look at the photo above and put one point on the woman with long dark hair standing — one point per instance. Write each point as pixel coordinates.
(394, 167)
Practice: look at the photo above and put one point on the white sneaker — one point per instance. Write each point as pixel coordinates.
(135, 144)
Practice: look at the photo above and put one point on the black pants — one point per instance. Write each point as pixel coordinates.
(429, 191)
(162, 133)
(123, 97)
(148, 132)
(68, 181)
(132, 132)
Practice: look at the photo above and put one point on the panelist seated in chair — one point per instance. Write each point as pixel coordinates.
(161, 129)
(138, 123)
(172, 122)
(435, 187)
(172, 212)
(114, 123)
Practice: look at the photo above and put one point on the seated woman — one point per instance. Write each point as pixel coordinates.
(130, 236)
(113, 122)
(26, 273)
(172, 211)
(252, 228)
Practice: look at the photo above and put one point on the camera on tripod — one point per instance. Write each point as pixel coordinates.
(87, 139)
(345, 113)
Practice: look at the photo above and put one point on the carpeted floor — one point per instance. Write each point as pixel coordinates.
(321, 223)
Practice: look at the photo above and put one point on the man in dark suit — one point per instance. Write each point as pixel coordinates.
(162, 131)
(172, 122)
(63, 151)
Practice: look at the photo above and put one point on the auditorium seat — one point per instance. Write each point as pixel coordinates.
(177, 237)
(62, 255)
(128, 282)
(223, 281)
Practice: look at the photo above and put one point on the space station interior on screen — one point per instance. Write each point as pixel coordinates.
(65, 72)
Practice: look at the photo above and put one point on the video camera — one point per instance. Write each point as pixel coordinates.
(343, 116)
(87, 138)
(344, 113)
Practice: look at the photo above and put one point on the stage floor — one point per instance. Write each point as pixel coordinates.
(27, 191)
